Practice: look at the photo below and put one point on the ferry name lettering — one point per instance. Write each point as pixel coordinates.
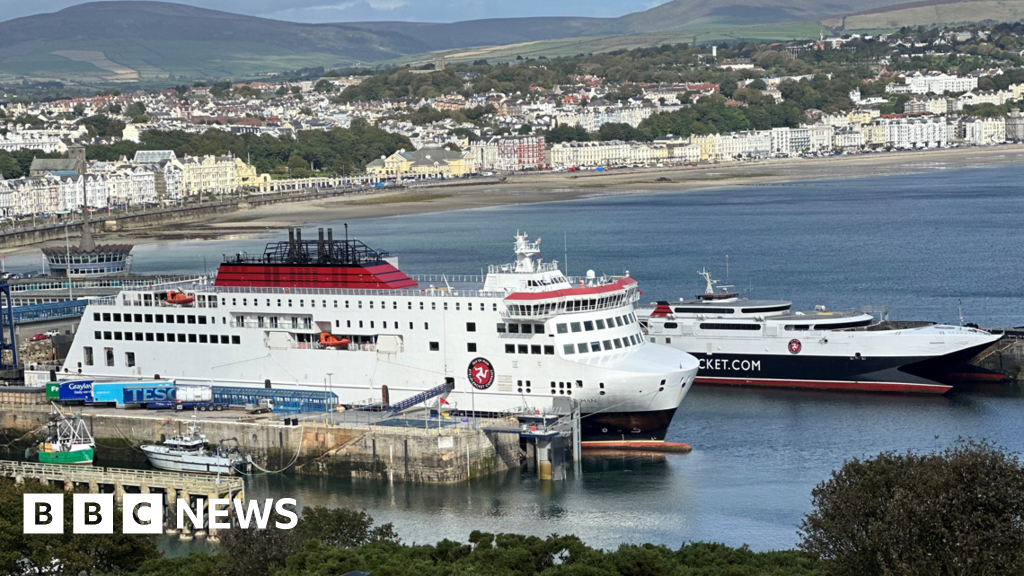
(733, 365)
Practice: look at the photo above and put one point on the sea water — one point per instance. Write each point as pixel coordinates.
(930, 246)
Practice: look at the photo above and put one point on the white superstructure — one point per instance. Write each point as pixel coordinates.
(519, 337)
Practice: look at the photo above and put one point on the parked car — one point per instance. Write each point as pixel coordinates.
(51, 333)
(37, 338)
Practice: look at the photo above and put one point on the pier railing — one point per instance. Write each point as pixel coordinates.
(194, 483)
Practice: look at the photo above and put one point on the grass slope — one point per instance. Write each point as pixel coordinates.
(597, 44)
(935, 13)
(132, 41)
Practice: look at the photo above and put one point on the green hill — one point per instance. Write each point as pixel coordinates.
(134, 41)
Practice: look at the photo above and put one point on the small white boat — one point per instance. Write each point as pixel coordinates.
(190, 453)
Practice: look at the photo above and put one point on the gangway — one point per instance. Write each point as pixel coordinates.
(420, 398)
(49, 311)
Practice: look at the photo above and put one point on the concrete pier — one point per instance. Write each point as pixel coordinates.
(118, 481)
(1005, 355)
(368, 451)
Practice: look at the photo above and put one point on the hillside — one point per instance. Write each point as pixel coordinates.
(122, 40)
(932, 12)
(133, 41)
(687, 14)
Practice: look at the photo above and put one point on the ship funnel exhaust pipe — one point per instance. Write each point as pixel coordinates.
(330, 243)
(320, 245)
(291, 243)
(300, 250)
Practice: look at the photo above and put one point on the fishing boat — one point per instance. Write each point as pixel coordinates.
(190, 452)
(68, 441)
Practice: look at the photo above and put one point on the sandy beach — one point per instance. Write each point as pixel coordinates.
(563, 186)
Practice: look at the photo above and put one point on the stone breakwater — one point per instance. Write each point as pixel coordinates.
(396, 454)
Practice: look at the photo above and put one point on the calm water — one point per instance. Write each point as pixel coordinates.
(917, 243)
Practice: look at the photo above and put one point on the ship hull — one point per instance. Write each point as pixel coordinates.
(625, 427)
(896, 374)
(78, 457)
(188, 463)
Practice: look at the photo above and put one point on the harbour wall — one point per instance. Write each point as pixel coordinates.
(367, 452)
(1005, 355)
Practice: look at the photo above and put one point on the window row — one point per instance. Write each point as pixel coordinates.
(615, 344)
(150, 318)
(529, 349)
(161, 337)
(504, 328)
(599, 324)
(382, 305)
(582, 305)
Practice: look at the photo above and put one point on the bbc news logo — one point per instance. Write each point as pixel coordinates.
(144, 513)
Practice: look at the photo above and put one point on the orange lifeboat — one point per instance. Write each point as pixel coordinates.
(329, 341)
(179, 298)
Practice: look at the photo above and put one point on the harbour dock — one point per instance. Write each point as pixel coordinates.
(116, 481)
(359, 446)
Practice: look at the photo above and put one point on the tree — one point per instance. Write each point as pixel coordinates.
(281, 91)
(257, 552)
(298, 167)
(221, 89)
(21, 553)
(78, 110)
(342, 527)
(955, 512)
(9, 168)
(526, 129)
(323, 86)
(140, 119)
(102, 126)
(565, 133)
(135, 109)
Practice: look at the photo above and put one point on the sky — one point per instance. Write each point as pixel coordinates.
(362, 10)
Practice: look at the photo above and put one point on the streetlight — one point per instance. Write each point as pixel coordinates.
(329, 385)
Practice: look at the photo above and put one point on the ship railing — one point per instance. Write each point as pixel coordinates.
(352, 346)
(510, 268)
(438, 292)
(279, 325)
(442, 278)
(107, 301)
(110, 283)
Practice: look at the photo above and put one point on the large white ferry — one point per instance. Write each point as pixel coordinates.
(766, 343)
(335, 314)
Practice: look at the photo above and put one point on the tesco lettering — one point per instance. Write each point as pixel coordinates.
(148, 394)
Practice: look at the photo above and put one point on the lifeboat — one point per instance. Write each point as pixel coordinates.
(329, 341)
(179, 298)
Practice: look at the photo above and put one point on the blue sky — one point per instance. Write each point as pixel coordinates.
(359, 10)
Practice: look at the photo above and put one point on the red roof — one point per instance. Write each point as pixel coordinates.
(620, 284)
(376, 277)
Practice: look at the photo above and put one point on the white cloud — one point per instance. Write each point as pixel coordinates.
(386, 4)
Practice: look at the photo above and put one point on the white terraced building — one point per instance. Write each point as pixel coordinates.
(14, 141)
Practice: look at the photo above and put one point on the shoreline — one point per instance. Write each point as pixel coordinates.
(566, 186)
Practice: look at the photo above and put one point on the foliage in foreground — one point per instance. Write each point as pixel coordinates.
(955, 512)
(66, 553)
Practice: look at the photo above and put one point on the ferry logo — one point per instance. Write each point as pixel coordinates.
(481, 373)
(795, 346)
